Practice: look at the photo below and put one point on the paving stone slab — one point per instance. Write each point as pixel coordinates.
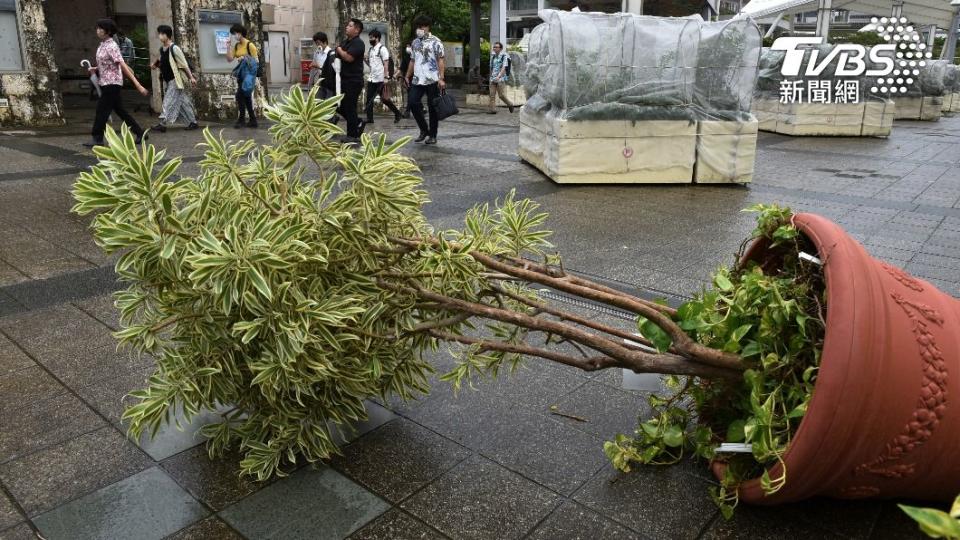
(101, 307)
(46, 423)
(398, 459)
(217, 482)
(481, 500)
(574, 522)
(893, 524)
(647, 500)
(9, 515)
(396, 525)
(179, 434)
(147, 505)
(12, 358)
(764, 524)
(377, 416)
(19, 532)
(607, 412)
(211, 528)
(48, 478)
(535, 445)
(109, 397)
(311, 503)
(27, 386)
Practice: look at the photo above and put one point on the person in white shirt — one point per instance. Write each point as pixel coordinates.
(378, 58)
(323, 70)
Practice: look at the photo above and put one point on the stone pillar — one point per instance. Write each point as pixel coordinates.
(931, 36)
(824, 14)
(498, 21)
(475, 34)
(950, 47)
(633, 6)
(158, 12)
(897, 9)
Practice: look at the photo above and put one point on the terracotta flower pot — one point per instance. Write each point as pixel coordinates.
(884, 420)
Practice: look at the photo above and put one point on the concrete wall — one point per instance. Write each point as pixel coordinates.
(214, 93)
(34, 96)
(296, 18)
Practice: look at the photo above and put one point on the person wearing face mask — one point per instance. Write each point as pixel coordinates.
(245, 51)
(378, 58)
(425, 77)
(350, 53)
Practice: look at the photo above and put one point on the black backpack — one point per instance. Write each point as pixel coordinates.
(173, 61)
(390, 67)
(327, 73)
(509, 65)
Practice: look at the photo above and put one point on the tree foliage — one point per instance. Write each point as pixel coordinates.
(290, 282)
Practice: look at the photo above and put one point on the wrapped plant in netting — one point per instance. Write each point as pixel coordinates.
(588, 73)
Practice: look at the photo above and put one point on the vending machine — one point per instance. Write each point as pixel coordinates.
(307, 48)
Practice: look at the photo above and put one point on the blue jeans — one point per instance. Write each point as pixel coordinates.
(417, 91)
(245, 103)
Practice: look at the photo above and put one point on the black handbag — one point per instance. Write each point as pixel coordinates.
(445, 106)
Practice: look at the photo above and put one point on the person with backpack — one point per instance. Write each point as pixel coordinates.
(323, 69)
(246, 73)
(110, 70)
(425, 78)
(174, 70)
(381, 70)
(499, 75)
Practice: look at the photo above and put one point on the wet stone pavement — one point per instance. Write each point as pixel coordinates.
(493, 463)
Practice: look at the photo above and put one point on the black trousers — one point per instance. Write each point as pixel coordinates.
(245, 103)
(348, 105)
(373, 90)
(327, 93)
(111, 102)
(416, 107)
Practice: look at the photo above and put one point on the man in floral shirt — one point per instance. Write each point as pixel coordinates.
(425, 77)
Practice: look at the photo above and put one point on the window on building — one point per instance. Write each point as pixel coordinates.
(11, 56)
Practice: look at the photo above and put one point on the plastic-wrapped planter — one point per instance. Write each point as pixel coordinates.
(623, 99)
(866, 116)
(924, 97)
(951, 89)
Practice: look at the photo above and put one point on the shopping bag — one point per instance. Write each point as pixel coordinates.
(445, 106)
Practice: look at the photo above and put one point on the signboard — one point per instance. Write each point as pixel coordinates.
(222, 38)
(454, 54)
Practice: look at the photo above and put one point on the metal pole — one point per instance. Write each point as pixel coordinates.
(931, 36)
(950, 47)
(897, 9)
(824, 13)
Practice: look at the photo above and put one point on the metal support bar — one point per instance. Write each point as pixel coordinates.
(950, 47)
(897, 9)
(824, 14)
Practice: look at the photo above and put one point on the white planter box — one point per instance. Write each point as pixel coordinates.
(726, 151)
(515, 94)
(609, 151)
(819, 119)
(878, 118)
(955, 102)
(919, 108)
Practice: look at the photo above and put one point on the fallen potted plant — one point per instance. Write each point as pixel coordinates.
(295, 280)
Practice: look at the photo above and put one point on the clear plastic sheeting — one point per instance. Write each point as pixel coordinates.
(951, 89)
(624, 98)
(845, 106)
(924, 97)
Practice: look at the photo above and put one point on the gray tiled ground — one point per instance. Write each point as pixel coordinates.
(498, 462)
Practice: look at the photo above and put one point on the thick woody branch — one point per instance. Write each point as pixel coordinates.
(637, 361)
(681, 341)
(586, 364)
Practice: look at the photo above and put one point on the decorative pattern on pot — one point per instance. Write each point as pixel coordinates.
(880, 422)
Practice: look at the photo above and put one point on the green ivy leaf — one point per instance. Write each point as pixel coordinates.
(660, 339)
(934, 523)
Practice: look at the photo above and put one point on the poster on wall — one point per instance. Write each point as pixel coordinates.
(223, 41)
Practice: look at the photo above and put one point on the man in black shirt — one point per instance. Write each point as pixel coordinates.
(350, 53)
